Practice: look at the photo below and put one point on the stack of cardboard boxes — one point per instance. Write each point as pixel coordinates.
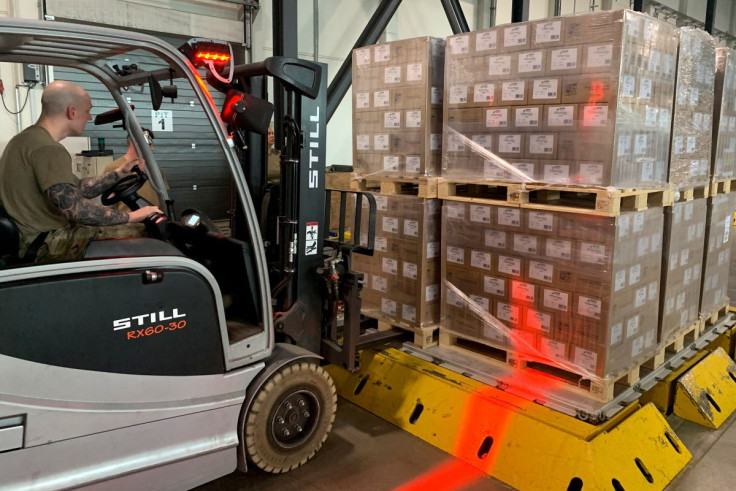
(724, 115)
(397, 108)
(719, 223)
(579, 289)
(585, 99)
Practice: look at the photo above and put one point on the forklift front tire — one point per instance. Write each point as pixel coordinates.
(290, 417)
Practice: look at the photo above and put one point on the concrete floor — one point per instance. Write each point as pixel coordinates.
(364, 452)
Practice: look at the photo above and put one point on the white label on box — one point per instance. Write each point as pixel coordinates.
(497, 118)
(561, 249)
(413, 164)
(494, 286)
(655, 61)
(541, 271)
(727, 229)
(481, 302)
(363, 142)
(497, 239)
(391, 225)
(459, 45)
(552, 349)
(456, 255)
(698, 121)
(453, 298)
(690, 145)
(669, 65)
(388, 307)
(390, 266)
(640, 298)
(493, 333)
(480, 213)
(435, 141)
(653, 291)
(642, 248)
(483, 92)
(380, 142)
(684, 256)
(640, 144)
(650, 30)
(509, 217)
(381, 202)
(688, 210)
(530, 61)
(409, 270)
(585, 359)
(600, 56)
(669, 306)
(455, 143)
(411, 228)
(538, 320)
(381, 98)
(547, 32)
(560, 115)
(556, 300)
(664, 118)
(696, 272)
(508, 313)
(435, 95)
(624, 145)
(637, 346)
(691, 231)
(645, 88)
(634, 274)
(556, 172)
(413, 72)
(593, 253)
(617, 333)
(392, 119)
(499, 65)
(458, 94)
(432, 292)
(707, 122)
(362, 56)
(701, 229)
(379, 283)
(682, 95)
(595, 116)
(649, 338)
(632, 326)
(409, 313)
(391, 163)
(541, 220)
(382, 53)
(647, 168)
(525, 243)
(591, 173)
(485, 40)
(650, 116)
(683, 317)
(564, 59)
(527, 117)
(623, 223)
(480, 259)
(392, 75)
(694, 96)
(619, 280)
(454, 210)
(483, 140)
(509, 265)
(362, 100)
(515, 36)
(525, 167)
(433, 249)
(513, 91)
(414, 118)
(589, 307)
(541, 144)
(688, 275)
(380, 244)
(509, 143)
(638, 222)
(628, 86)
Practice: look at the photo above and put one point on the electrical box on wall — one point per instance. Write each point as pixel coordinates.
(31, 73)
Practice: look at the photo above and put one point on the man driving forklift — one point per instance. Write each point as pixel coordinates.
(50, 205)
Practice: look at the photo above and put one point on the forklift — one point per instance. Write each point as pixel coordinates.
(168, 361)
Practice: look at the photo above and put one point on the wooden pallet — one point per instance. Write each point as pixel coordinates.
(481, 192)
(592, 200)
(722, 186)
(424, 337)
(421, 187)
(693, 193)
(709, 320)
(674, 343)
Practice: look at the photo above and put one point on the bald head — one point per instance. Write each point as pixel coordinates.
(59, 95)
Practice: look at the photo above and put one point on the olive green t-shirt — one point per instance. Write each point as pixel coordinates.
(31, 163)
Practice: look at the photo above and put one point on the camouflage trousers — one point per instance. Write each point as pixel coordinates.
(70, 243)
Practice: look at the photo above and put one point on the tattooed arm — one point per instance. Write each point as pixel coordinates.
(73, 205)
(95, 186)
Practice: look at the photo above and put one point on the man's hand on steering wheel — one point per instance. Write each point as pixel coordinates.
(127, 166)
(141, 214)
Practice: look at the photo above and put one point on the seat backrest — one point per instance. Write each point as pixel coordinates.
(9, 236)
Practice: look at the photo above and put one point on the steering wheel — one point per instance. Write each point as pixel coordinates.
(124, 187)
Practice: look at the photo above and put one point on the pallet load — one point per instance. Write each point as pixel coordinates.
(574, 290)
(720, 216)
(692, 125)
(402, 278)
(397, 108)
(584, 99)
(724, 116)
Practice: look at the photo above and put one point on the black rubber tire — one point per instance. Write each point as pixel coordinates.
(303, 382)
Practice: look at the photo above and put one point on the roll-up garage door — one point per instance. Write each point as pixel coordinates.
(185, 146)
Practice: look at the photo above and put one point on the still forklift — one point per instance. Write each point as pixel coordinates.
(209, 357)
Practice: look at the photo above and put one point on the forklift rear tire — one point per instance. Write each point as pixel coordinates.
(290, 417)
